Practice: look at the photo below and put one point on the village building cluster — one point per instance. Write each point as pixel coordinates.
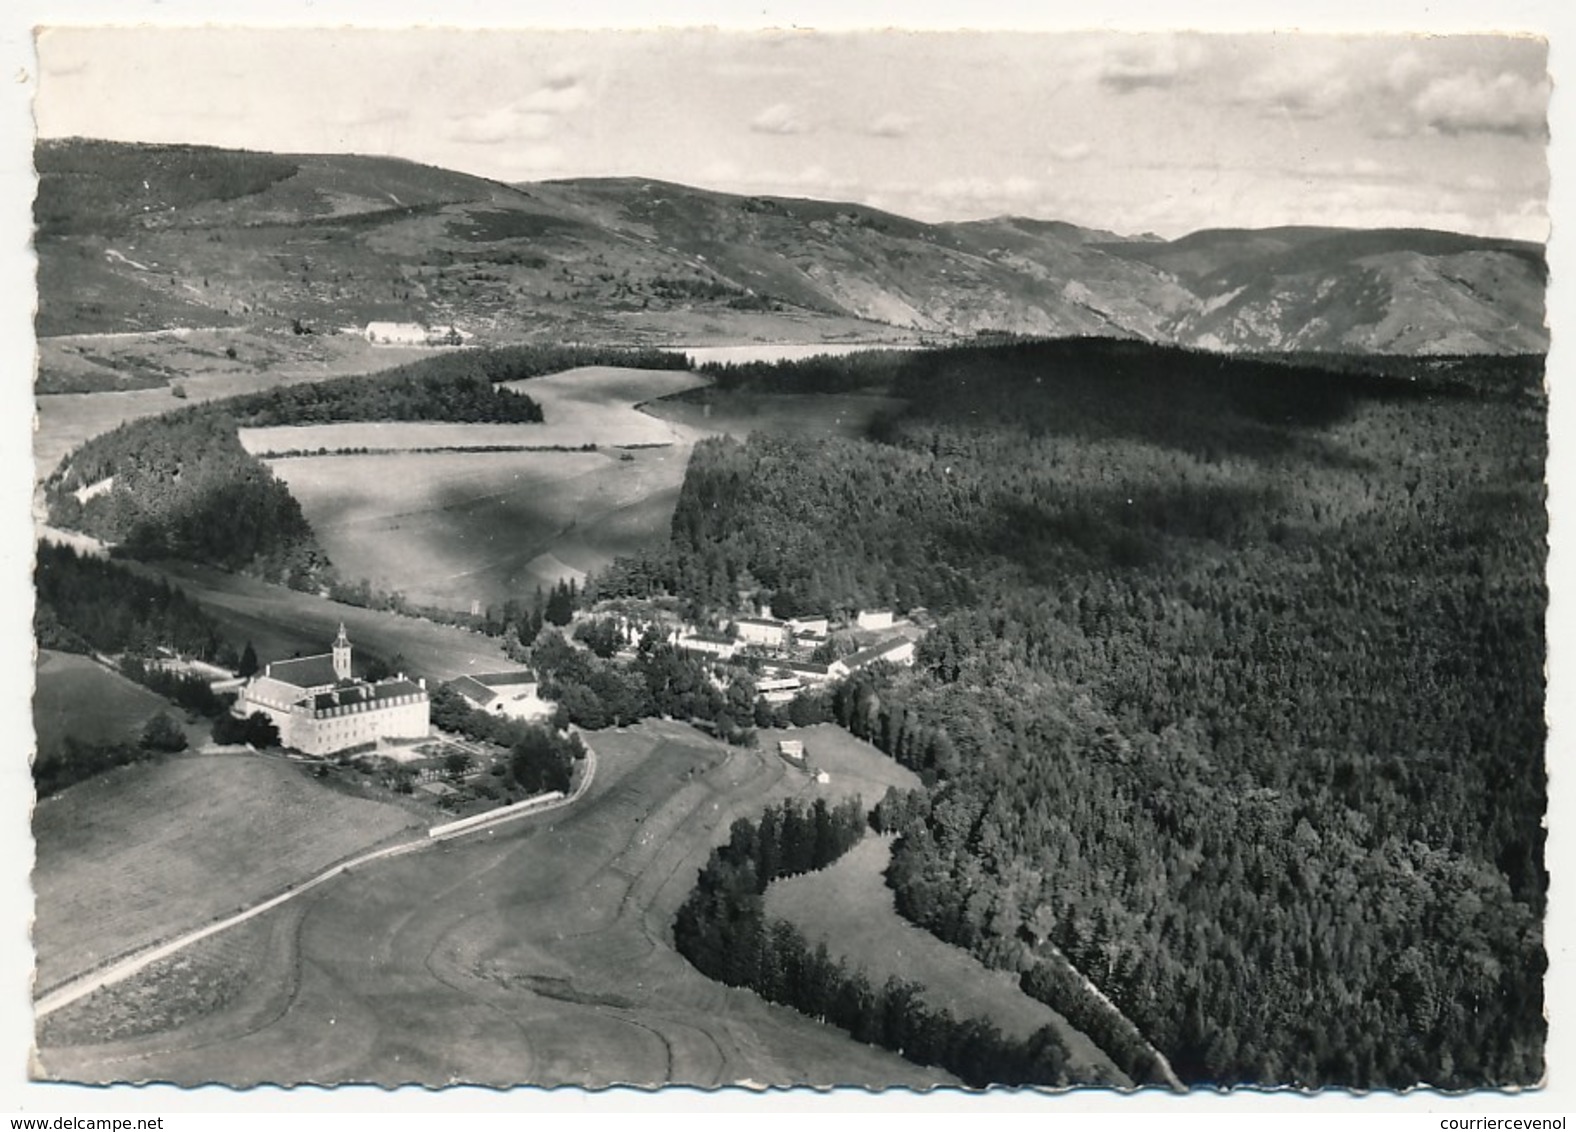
(787, 648)
(322, 707)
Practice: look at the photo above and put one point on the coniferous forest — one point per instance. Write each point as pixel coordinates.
(1236, 694)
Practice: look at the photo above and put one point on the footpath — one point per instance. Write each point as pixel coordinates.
(123, 969)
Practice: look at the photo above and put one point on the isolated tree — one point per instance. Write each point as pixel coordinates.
(162, 733)
(261, 732)
(249, 665)
(561, 605)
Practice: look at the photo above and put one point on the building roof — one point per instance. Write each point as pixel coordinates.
(708, 636)
(875, 652)
(304, 671)
(473, 689)
(365, 694)
(274, 691)
(809, 666)
(761, 621)
(503, 679)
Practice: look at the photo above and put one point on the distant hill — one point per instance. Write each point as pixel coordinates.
(151, 236)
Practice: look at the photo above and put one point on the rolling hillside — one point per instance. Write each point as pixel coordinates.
(139, 237)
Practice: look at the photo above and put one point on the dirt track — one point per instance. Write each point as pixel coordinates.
(539, 954)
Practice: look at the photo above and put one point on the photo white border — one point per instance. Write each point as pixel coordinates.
(1550, 18)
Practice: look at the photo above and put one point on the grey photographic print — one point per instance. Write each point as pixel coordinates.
(784, 557)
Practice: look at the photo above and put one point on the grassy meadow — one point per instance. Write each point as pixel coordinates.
(78, 698)
(281, 623)
(537, 952)
(115, 873)
(450, 528)
(849, 906)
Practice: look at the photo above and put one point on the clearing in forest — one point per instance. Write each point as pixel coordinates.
(848, 905)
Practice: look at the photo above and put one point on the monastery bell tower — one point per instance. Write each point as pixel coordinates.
(342, 654)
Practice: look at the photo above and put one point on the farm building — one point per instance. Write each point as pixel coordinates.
(792, 750)
(396, 334)
(897, 650)
(413, 334)
(810, 626)
(810, 672)
(513, 694)
(320, 707)
(778, 687)
(874, 619)
(763, 631)
(711, 644)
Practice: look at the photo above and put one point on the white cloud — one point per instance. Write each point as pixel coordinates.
(980, 194)
(1301, 89)
(1404, 70)
(1472, 102)
(1077, 151)
(504, 124)
(1356, 167)
(1152, 62)
(534, 116)
(890, 125)
(780, 118)
(535, 161)
(562, 75)
(555, 99)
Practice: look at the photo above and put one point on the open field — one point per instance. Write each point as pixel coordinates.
(855, 767)
(145, 852)
(197, 361)
(447, 528)
(77, 697)
(849, 906)
(538, 952)
(791, 414)
(282, 623)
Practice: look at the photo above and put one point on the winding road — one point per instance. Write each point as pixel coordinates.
(537, 952)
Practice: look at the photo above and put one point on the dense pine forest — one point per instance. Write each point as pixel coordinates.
(1236, 697)
(86, 604)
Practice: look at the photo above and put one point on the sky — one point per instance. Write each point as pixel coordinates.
(1157, 132)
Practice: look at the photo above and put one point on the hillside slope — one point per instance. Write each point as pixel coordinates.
(138, 237)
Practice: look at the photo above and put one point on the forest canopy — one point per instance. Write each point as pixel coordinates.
(1236, 693)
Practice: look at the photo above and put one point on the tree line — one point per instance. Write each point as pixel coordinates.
(593, 692)
(722, 929)
(86, 604)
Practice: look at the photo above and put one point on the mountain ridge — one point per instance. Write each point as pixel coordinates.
(144, 236)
